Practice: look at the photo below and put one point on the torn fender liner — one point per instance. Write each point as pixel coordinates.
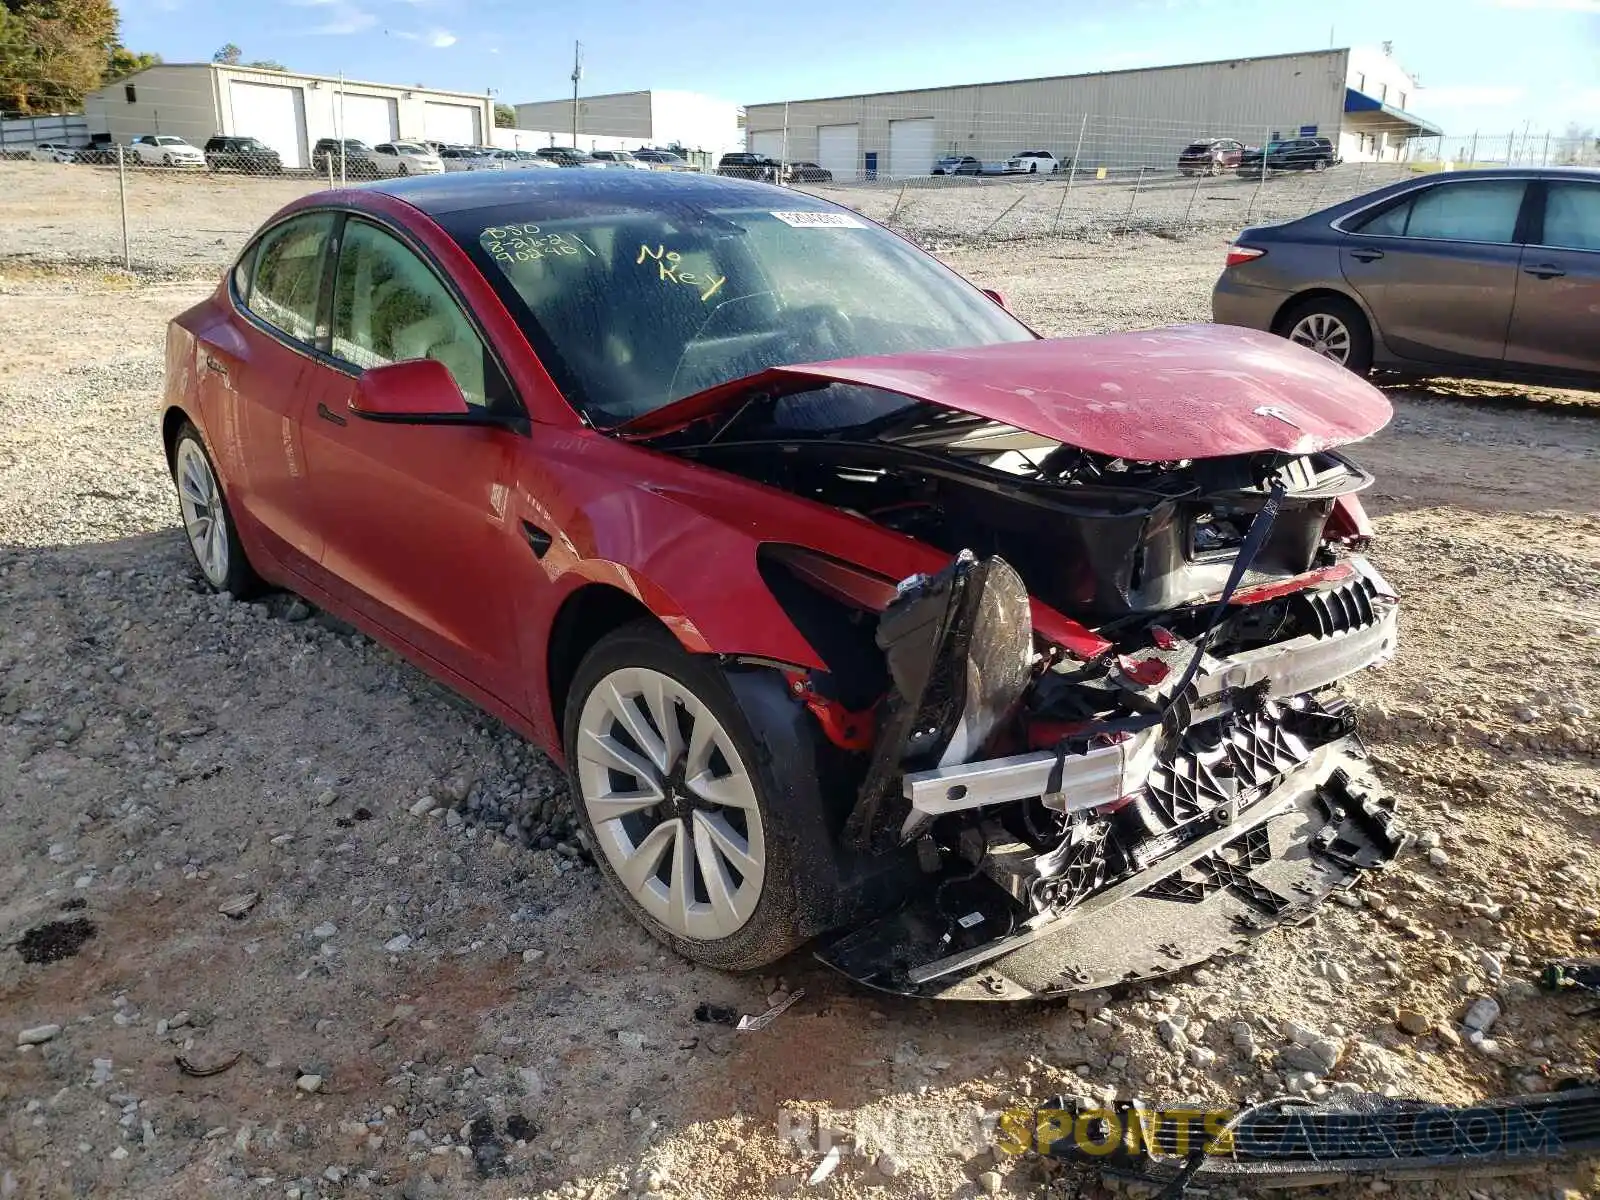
(1267, 861)
(959, 647)
(1299, 1142)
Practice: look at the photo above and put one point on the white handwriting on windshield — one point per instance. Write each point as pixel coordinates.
(668, 262)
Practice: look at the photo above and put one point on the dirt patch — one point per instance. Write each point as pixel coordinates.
(55, 940)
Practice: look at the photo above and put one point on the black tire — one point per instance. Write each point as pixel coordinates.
(1320, 165)
(1354, 320)
(241, 581)
(801, 893)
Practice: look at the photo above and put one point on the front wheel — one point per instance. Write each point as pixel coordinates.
(703, 809)
(207, 521)
(404, 170)
(166, 160)
(1332, 327)
(1320, 165)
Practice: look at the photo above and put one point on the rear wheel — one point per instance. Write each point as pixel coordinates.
(207, 521)
(1331, 327)
(404, 170)
(711, 830)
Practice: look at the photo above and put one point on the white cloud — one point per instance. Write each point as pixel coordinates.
(1571, 6)
(1471, 96)
(342, 17)
(439, 39)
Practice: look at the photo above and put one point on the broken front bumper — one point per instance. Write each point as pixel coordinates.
(1104, 774)
(1306, 833)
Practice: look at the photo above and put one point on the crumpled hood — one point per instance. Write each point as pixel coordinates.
(1191, 391)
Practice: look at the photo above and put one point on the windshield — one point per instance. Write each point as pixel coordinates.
(169, 141)
(410, 148)
(632, 310)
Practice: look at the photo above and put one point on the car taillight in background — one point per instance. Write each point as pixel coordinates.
(1242, 254)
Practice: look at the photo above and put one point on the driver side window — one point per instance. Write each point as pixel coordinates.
(389, 306)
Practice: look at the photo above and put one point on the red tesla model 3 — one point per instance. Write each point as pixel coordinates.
(855, 611)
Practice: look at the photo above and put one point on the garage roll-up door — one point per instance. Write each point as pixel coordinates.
(910, 148)
(459, 124)
(373, 119)
(272, 114)
(838, 150)
(768, 142)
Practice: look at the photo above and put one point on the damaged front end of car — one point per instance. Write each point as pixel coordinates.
(1107, 729)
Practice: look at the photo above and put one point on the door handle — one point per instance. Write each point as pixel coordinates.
(327, 414)
(212, 364)
(1544, 271)
(1366, 254)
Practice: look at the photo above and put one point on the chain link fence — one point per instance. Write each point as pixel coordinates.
(176, 198)
(1117, 176)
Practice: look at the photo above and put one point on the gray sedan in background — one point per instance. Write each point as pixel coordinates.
(1487, 274)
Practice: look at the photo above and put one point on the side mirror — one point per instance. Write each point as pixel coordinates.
(997, 297)
(416, 392)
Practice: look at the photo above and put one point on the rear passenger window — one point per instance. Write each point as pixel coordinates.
(1572, 216)
(288, 275)
(1481, 211)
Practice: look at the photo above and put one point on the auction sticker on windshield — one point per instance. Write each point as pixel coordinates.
(820, 220)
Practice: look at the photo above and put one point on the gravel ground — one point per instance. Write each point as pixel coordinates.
(300, 857)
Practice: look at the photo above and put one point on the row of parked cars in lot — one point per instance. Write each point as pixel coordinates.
(252, 156)
(1210, 156)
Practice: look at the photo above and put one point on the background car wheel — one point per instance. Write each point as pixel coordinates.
(1320, 165)
(1333, 328)
(1214, 168)
(166, 160)
(404, 170)
(713, 835)
(207, 521)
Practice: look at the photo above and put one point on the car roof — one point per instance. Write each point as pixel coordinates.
(466, 191)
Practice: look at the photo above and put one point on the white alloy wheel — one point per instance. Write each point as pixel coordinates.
(204, 518)
(671, 802)
(1324, 333)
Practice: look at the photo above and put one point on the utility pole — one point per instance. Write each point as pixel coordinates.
(577, 74)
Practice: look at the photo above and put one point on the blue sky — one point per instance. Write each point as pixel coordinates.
(1494, 65)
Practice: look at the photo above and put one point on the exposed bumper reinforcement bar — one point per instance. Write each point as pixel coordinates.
(1104, 774)
(1281, 856)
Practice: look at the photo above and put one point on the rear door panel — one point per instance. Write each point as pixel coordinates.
(1555, 324)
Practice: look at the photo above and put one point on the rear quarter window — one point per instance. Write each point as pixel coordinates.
(287, 277)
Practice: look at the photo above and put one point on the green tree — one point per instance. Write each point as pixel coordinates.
(505, 117)
(266, 64)
(124, 62)
(228, 55)
(53, 52)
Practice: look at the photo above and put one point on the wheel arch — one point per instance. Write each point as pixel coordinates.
(174, 419)
(1280, 318)
(588, 614)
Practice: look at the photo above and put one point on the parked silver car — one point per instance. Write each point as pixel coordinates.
(1490, 273)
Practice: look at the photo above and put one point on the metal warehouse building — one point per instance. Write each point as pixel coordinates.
(652, 118)
(1359, 98)
(286, 110)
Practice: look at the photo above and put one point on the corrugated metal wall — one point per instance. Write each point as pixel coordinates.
(621, 114)
(1134, 118)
